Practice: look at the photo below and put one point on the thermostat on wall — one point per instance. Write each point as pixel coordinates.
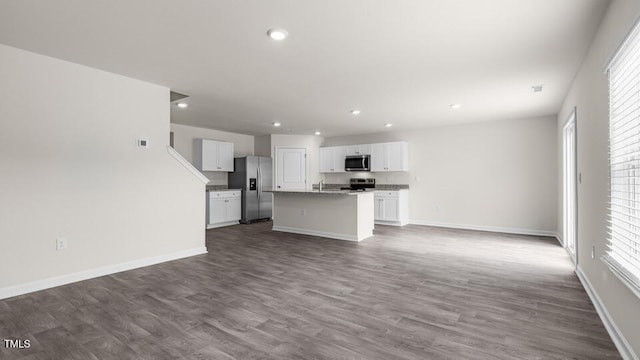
(143, 143)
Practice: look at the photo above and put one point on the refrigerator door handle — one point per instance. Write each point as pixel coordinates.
(259, 182)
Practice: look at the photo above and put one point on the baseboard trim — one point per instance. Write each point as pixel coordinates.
(557, 236)
(619, 340)
(391, 223)
(486, 228)
(38, 285)
(222, 224)
(318, 233)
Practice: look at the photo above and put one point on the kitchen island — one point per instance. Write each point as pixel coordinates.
(336, 214)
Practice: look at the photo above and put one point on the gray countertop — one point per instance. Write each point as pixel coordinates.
(389, 187)
(328, 192)
(215, 188)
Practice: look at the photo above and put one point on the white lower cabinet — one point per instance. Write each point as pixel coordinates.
(391, 207)
(223, 208)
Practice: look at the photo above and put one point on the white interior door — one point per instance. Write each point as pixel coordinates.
(291, 168)
(570, 186)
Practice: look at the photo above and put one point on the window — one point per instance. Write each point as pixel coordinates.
(623, 254)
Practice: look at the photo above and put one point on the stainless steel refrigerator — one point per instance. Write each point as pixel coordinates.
(253, 174)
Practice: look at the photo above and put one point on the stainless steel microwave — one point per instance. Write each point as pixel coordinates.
(357, 163)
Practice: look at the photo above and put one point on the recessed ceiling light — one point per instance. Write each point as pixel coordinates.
(388, 125)
(455, 106)
(182, 105)
(355, 112)
(276, 124)
(317, 132)
(277, 34)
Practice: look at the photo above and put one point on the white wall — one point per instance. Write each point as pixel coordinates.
(589, 93)
(70, 168)
(184, 135)
(262, 145)
(497, 175)
(310, 142)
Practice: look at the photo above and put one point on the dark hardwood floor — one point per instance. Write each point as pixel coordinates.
(407, 293)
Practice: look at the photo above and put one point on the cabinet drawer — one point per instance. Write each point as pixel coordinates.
(224, 194)
(387, 194)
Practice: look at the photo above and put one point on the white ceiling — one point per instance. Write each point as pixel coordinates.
(400, 61)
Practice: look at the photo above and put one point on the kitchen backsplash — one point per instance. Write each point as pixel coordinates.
(216, 178)
(378, 186)
(381, 177)
(220, 178)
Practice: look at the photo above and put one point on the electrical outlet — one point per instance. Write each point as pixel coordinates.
(593, 252)
(303, 212)
(61, 243)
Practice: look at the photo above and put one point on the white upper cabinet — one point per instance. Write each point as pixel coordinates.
(211, 155)
(331, 159)
(393, 156)
(326, 160)
(397, 156)
(225, 156)
(377, 157)
(363, 149)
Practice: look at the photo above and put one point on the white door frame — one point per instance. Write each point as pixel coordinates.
(306, 165)
(570, 187)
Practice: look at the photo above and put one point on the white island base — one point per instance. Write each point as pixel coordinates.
(339, 215)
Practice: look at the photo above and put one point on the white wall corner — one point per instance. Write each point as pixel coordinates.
(559, 238)
(623, 346)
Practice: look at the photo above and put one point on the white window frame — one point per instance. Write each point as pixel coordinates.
(623, 254)
(570, 186)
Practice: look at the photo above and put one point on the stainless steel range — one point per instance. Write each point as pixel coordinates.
(362, 184)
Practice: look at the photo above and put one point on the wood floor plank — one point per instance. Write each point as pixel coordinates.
(414, 292)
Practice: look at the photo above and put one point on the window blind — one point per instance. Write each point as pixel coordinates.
(623, 253)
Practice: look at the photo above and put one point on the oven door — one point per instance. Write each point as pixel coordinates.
(357, 163)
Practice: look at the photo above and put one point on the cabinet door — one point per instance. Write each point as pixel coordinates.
(233, 209)
(209, 154)
(390, 209)
(377, 208)
(225, 156)
(217, 211)
(364, 149)
(351, 150)
(378, 157)
(326, 160)
(396, 157)
(339, 155)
